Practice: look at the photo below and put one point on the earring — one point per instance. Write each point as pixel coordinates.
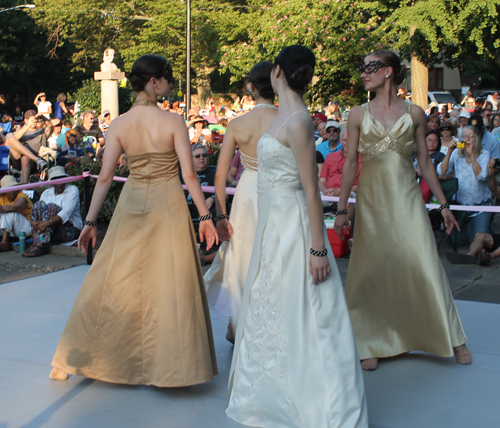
(159, 87)
(386, 77)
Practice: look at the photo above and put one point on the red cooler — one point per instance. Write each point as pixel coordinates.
(339, 248)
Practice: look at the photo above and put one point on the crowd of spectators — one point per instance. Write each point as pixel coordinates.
(463, 143)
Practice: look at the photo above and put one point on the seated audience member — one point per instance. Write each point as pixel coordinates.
(235, 170)
(433, 122)
(72, 149)
(199, 132)
(486, 246)
(470, 166)
(332, 143)
(433, 141)
(206, 177)
(322, 133)
(320, 160)
(331, 173)
(317, 119)
(488, 140)
(25, 144)
(57, 138)
(92, 135)
(56, 217)
(15, 211)
(19, 115)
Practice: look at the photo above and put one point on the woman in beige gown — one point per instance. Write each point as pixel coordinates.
(141, 316)
(226, 277)
(398, 294)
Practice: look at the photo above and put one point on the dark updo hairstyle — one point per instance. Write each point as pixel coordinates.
(260, 76)
(146, 67)
(392, 60)
(297, 62)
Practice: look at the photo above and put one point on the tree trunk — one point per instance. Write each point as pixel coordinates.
(419, 80)
(203, 84)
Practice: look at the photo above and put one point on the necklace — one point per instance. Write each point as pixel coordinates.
(144, 102)
(265, 106)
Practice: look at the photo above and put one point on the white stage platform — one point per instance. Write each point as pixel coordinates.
(413, 391)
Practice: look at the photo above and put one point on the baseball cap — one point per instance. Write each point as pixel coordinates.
(319, 116)
(332, 123)
(464, 113)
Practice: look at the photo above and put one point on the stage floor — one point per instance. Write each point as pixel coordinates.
(416, 390)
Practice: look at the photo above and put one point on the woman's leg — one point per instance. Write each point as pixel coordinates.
(479, 224)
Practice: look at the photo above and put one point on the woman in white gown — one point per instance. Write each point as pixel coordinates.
(295, 362)
(226, 277)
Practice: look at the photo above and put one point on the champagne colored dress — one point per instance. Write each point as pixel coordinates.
(398, 294)
(295, 363)
(226, 277)
(141, 316)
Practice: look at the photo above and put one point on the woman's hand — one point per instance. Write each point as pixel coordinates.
(224, 229)
(341, 223)
(491, 167)
(207, 231)
(88, 233)
(469, 148)
(320, 268)
(449, 220)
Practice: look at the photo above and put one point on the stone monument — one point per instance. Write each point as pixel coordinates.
(109, 76)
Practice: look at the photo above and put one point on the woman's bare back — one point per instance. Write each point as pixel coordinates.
(147, 129)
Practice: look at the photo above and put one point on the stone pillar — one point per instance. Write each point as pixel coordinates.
(109, 90)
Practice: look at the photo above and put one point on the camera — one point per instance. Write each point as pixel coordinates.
(461, 145)
(497, 164)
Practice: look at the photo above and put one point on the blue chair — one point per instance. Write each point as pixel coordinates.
(4, 159)
(6, 126)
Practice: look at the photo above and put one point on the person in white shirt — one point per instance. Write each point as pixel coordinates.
(44, 107)
(56, 216)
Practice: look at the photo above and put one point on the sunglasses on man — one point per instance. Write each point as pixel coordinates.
(204, 155)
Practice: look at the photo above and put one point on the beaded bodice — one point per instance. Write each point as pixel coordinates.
(374, 140)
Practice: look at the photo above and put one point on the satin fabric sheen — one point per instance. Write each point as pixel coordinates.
(142, 316)
(398, 294)
(226, 277)
(295, 362)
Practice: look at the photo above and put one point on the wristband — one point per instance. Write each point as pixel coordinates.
(337, 213)
(442, 207)
(90, 223)
(205, 217)
(319, 253)
(221, 217)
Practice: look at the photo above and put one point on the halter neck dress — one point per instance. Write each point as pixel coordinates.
(398, 294)
(142, 316)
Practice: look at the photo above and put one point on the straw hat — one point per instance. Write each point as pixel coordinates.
(9, 181)
(57, 172)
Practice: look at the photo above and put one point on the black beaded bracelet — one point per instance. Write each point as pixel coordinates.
(346, 211)
(205, 217)
(442, 207)
(319, 253)
(221, 217)
(90, 223)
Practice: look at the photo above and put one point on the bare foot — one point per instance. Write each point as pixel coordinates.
(462, 354)
(369, 364)
(57, 374)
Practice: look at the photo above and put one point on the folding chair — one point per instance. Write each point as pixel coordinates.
(450, 188)
(4, 160)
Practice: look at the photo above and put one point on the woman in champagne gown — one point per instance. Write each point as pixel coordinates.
(141, 316)
(226, 277)
(294, 362)
(397, 290)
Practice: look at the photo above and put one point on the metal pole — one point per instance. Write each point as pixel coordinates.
(188, 57)
(86, 201)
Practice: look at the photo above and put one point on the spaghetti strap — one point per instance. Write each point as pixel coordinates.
(286, 121)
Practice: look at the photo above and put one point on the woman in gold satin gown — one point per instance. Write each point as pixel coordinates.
(141, 316)
(397, 291)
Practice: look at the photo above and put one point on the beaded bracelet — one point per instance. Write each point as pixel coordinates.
(319, 253)
(205, 217)
(90, 223)
(346, 211)
(221, 217)
(442, 207)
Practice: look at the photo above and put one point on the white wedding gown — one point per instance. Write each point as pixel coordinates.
(295, 362)
(226, 277)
